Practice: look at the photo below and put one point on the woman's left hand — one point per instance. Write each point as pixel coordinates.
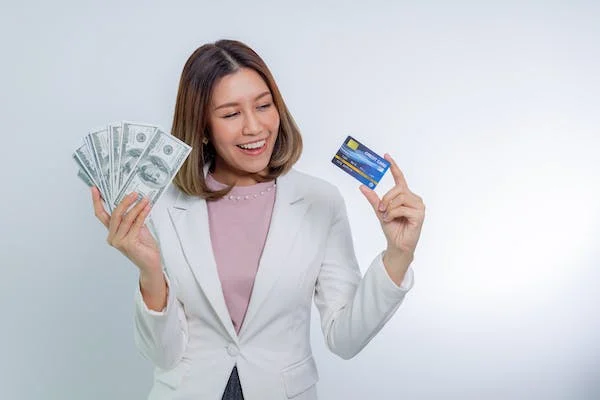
(400, 212)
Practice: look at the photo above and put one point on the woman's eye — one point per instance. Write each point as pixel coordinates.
(264, 106)
(231, 115)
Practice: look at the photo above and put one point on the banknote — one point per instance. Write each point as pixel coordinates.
(88, 171)
(135, 138)
(126, 157)
(156, 167)
(85, 178)
(85, 161)
(115, 137)
(100, 150)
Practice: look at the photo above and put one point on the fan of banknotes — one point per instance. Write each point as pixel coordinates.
(130, 157)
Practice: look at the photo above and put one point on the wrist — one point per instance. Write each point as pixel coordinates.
(397, 256)
(154, 289)
(396, 263)
(151, 274)
(152, 282)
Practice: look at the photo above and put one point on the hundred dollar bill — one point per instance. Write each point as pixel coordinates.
(100, 150)
(85, 161)
(135, 138)
(111, 175)
(85, 178)
(115, 139)
(156, 167)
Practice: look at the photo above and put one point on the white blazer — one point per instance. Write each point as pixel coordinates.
(308, 254)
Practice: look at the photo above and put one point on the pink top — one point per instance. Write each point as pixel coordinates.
(238, 225)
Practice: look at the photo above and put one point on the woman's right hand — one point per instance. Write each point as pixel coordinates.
(128, 233)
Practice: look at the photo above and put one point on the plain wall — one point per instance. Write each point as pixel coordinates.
(491, 109)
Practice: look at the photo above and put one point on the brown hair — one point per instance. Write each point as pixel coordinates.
(202, 70)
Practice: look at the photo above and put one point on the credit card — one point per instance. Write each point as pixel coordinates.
(361, 162)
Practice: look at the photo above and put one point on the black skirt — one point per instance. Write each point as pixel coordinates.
(233, 390)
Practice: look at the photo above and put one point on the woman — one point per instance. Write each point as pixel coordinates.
(241, 243)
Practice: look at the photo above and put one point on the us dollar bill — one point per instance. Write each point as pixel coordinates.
(85, 178)
(116, 139)
(135, 138)
(156, 167)
(100, 150)
(85, 161)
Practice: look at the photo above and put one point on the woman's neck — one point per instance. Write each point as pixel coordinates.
(233, 178)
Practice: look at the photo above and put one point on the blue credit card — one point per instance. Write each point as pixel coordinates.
(361, 162)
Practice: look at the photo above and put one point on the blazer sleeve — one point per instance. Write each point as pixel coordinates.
(353, 310)
(161, 336)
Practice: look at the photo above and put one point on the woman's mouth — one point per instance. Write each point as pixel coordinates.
(254, 148)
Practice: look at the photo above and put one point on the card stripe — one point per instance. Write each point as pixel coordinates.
(358, 171)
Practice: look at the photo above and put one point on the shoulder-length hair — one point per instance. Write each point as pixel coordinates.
(201, 72)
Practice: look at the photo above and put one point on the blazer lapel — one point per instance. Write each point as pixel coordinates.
(189, 216)
(288, 213)
(190, 219)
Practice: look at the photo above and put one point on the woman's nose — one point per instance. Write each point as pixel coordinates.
(252, 125)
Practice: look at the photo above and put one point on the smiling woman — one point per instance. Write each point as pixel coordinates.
(230, 110)
(244, 124)
(226, 283)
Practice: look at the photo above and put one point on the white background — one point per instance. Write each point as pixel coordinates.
(491, 109)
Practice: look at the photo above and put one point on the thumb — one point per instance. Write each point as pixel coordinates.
(372, 198)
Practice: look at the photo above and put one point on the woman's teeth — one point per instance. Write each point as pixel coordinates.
(251, 146)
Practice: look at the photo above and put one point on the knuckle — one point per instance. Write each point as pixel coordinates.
(119, 211)
(132, 218)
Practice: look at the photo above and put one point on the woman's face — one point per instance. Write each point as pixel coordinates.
(244, 123)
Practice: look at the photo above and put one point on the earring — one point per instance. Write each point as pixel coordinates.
(205, 140)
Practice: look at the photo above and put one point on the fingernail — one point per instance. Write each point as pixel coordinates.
(381, 206)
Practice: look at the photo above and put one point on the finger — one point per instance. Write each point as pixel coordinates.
(99, 210)
(398, 196)
(392, 194)
(129, 219)
(413, 215)
(372, 198)
(141, 218)
(396, 172)
(117, 215)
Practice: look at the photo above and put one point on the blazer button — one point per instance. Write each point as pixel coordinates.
(232, 350)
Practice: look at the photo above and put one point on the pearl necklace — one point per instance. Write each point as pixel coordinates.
(252, 196)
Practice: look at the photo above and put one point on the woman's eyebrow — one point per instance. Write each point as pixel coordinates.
(263, 94)
(233, 104)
